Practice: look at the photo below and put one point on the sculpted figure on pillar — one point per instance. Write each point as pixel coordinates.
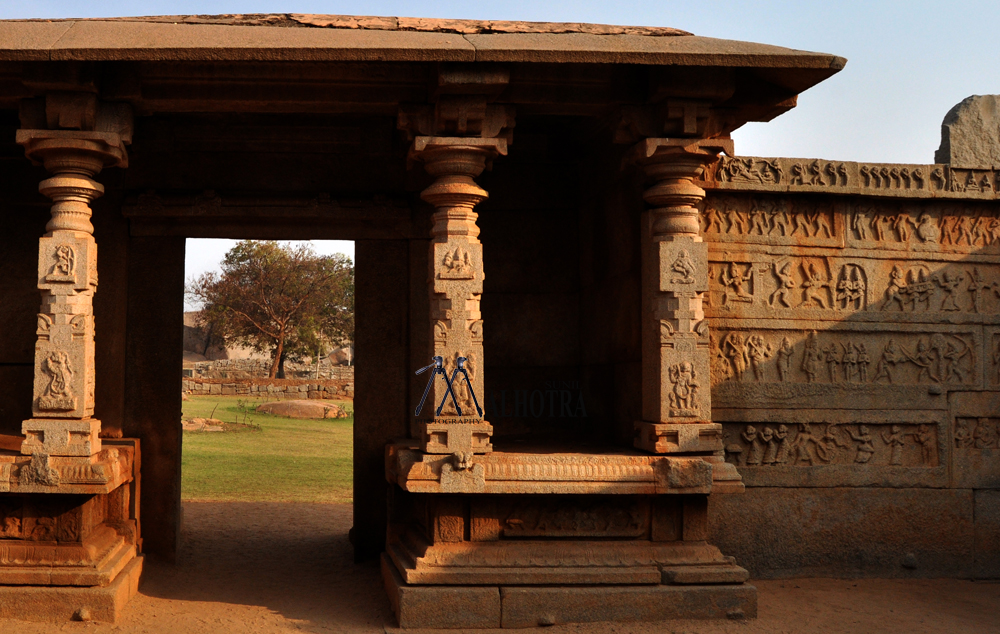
(456, 139)
(74, 137)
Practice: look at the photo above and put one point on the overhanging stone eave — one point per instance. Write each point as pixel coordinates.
(85, 40)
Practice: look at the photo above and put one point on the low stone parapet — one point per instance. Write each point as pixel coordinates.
(270, 388)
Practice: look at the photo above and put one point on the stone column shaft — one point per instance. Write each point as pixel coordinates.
(676, 383)
(63, 400)
(455, 285)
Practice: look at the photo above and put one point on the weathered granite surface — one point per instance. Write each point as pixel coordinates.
(970, 133)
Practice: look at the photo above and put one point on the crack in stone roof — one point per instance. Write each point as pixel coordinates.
(378, 23)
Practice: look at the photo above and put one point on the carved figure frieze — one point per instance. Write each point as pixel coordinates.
(970, 180)
(767, 219)
(749, 170)
(11, 518)
(736, 280)
(861, 444)
(758, 285)
(889, 178)
(914, 288)
(844, 358)
(977, 433)
(944, 228)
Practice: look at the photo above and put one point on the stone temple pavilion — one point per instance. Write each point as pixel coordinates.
(694, 367)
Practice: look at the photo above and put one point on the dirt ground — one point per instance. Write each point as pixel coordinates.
(274, 567)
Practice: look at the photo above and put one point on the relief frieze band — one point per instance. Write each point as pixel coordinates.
(837, 448)
(846, 177)
(851, 366)
(810, 220)
(823, 288)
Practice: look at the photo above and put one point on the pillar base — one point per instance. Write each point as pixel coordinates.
(54, 603)
(668, 438)
(455, 435)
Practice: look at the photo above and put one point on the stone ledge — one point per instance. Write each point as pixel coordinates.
(617, 472)
(531, 607)
(77, 475)
(47, 603)
(440, 606)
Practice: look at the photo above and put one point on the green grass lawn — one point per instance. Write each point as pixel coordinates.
(274, 459)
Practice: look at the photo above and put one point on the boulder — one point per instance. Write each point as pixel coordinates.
(303, 409)
(342, 356)
(970, 133)
(202, 424)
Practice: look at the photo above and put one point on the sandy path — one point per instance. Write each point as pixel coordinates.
(267, 567)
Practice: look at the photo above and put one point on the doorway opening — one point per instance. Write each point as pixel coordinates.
(267, 448)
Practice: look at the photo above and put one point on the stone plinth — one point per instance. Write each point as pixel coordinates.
(69, 533)
(585, 524)
(48, 603)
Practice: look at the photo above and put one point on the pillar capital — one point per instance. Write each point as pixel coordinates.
(455, 162)
(672, 165)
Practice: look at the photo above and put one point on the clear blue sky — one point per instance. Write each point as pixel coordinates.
(908, 62)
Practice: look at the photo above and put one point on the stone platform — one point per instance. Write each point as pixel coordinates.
(54, 603)
(69, 533)
(519, 539)
(495, 606)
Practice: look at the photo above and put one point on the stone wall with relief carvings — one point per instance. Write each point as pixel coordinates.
(855, 342)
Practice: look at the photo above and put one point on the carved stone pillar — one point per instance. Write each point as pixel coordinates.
(69, 498)
(63, 403)
(455, 284)
(676, 384)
